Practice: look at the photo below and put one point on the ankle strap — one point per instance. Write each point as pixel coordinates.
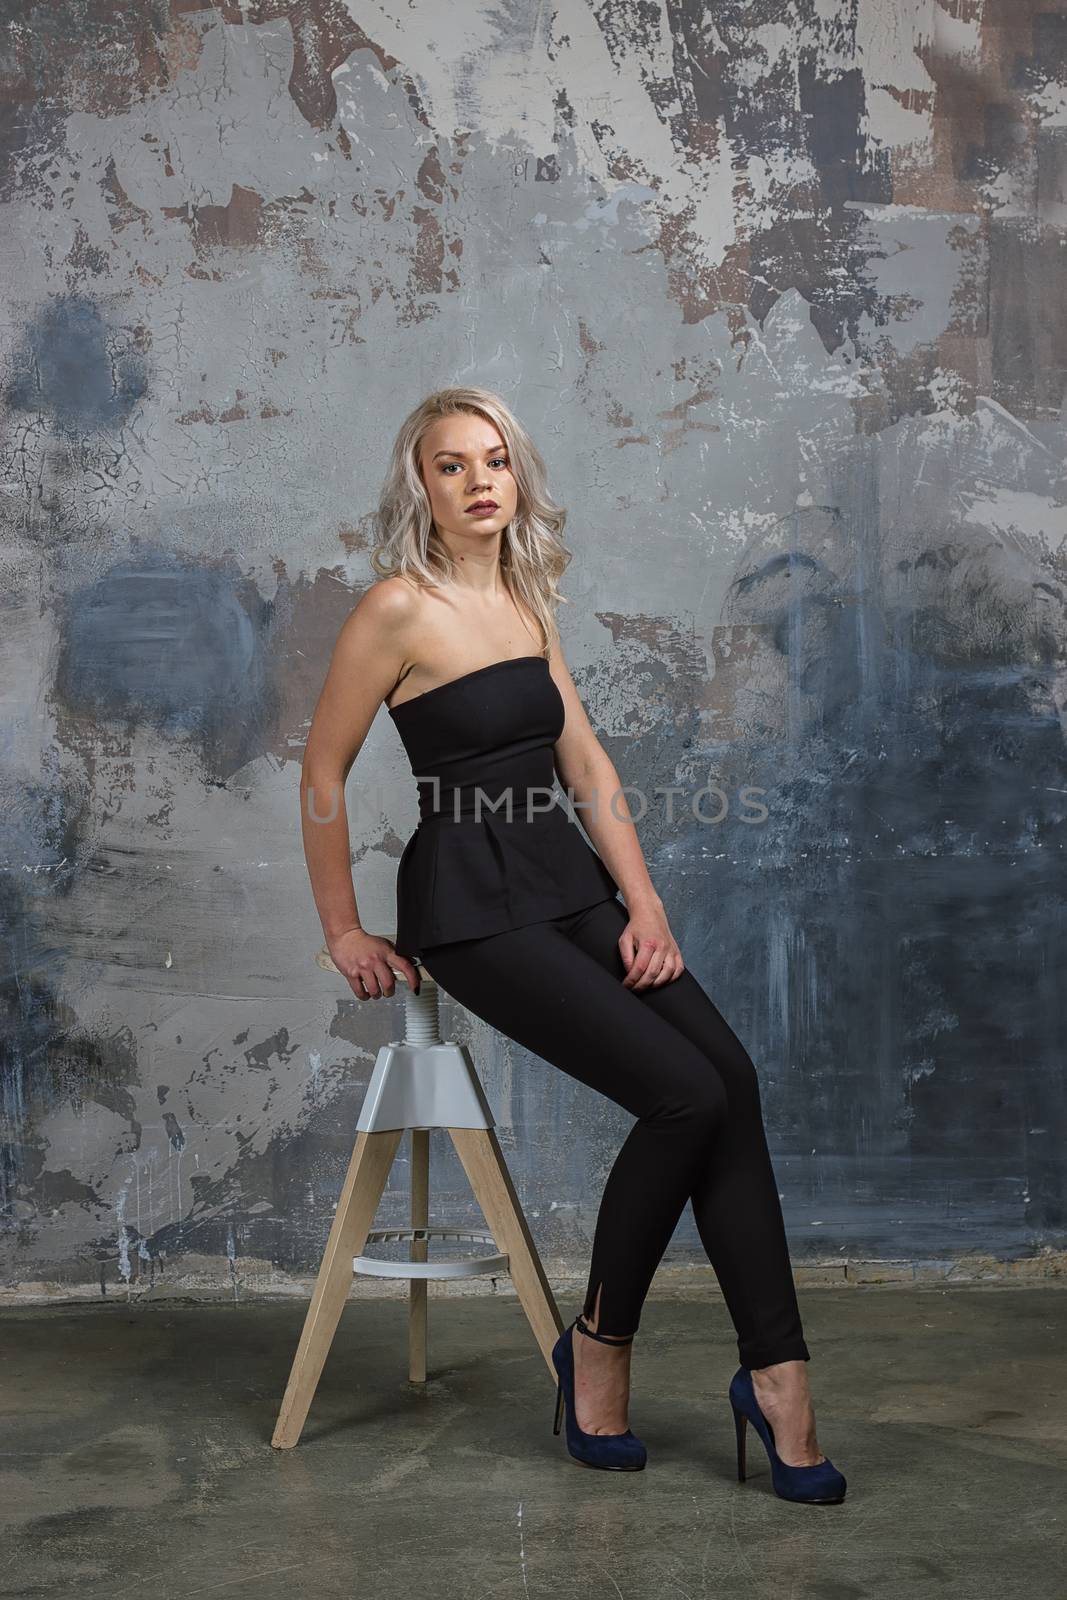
(605, 1338)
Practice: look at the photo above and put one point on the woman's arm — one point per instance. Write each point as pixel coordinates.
(368, 659)
(588, 773)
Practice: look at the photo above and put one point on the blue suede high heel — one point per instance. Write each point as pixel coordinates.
(616, 1452)
(820, 1484)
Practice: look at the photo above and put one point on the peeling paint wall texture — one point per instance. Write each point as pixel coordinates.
(781, 294)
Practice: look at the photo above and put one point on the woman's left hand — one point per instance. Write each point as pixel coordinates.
(649, 950)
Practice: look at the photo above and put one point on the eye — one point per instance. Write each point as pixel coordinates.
(502, 460)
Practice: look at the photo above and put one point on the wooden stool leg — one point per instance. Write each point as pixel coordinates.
(363, 1185)
(420, 1218)
(483, 1161)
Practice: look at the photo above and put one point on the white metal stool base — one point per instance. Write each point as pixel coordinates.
(462, 1267)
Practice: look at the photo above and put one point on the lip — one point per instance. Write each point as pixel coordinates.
(483, 508)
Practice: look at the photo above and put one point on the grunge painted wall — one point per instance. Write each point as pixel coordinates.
(781, 293)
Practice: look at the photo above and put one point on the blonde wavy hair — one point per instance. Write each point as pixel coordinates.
(532, 555)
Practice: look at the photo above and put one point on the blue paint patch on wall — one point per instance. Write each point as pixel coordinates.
(47, 1060)
(889, 943)
(162, 640)
(76, 370)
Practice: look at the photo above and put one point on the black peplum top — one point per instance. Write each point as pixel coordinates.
(494, 847)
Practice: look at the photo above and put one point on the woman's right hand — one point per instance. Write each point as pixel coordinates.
(367, 961)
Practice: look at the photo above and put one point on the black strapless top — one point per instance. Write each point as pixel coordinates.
(478, 745)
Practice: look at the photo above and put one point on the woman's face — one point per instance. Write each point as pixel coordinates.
(464, 463)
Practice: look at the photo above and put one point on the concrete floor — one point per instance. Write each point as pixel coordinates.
(135, 1456)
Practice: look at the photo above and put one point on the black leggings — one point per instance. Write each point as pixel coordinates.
(669, 1058)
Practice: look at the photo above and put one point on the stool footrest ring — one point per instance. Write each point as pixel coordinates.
(463, 1267)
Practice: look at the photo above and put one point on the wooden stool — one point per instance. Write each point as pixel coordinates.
(418, 1083)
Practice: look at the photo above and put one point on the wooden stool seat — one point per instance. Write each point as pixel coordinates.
(419, 1083)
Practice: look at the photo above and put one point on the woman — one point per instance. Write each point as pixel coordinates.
(513, 914)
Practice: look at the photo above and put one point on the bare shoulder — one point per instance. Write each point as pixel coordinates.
(369, 657)
(389, 604)
(382, 625)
